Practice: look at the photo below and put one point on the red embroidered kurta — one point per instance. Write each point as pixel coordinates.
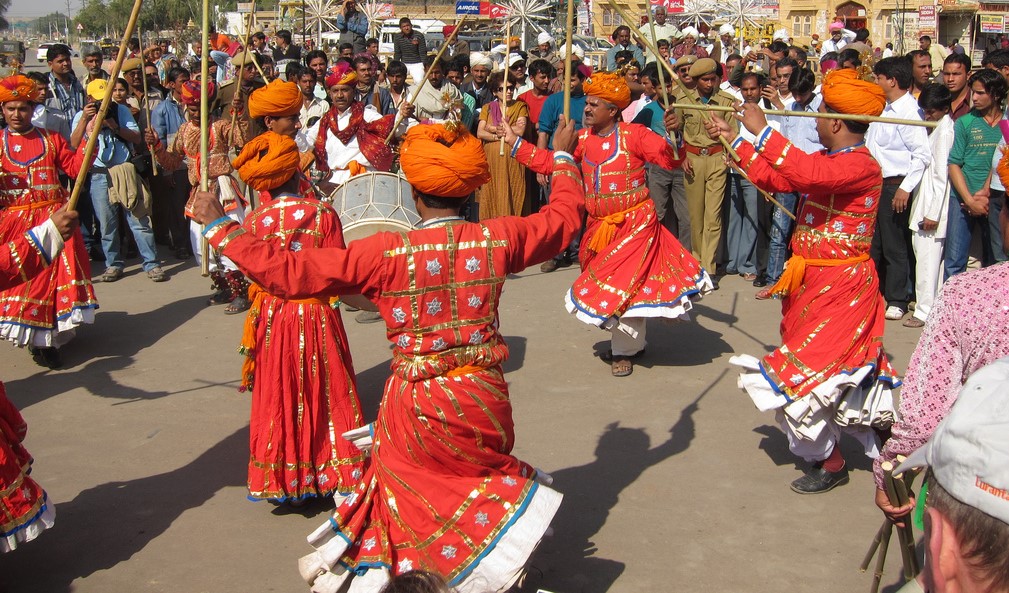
(834, 323)
(442, 491)
(185, 150)
(44, 311)
(303, 389)
(631, 265)
(24, 508)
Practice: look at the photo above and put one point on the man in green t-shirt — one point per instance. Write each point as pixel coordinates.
(975, 136)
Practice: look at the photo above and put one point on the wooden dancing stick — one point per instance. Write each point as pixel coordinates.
(874, 546)
(89, 148)
(877, 575)
(205, 131)
(662, 75)
(146, 105)
(817, 114)
(507, 71)
(650, 45)
(896, 491)
(245, 58)
(568, 50)
(427, 73)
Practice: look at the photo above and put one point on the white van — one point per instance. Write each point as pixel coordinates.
(431, 28)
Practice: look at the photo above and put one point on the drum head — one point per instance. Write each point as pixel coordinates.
(374, 202)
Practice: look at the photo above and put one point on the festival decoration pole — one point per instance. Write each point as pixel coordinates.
(504, 83)
(146, 106)
(437, 59)
(89, 148)
(817, 114)
(568, 48)
(205, 130)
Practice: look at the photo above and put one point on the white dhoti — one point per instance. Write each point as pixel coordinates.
(928, 270)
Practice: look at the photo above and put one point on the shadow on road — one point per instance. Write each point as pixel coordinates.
(676, 344)
(104, 349)
(566, 562)
(110, 523)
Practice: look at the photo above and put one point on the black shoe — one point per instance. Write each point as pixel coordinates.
(714, 284)
(819, 480)
(183, 254)
(368, 317)
(549, 266)
(46, 357)
(759, 282)
(564, 261)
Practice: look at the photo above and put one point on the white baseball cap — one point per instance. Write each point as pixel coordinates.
(969, 450)
(515, 59)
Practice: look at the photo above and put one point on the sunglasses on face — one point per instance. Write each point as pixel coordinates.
(511, 87)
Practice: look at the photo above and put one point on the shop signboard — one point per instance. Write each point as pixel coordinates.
(991, 23)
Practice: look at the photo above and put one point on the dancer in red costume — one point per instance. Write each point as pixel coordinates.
(442, 491)
(632, 267)
(25, 510)
(298, 362)
(43, 313)
(830, 373)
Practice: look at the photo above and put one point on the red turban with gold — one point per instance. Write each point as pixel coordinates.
(19, 88)
(267, 161)
(190, 92)
(844, 92)
(447, 162)
(341, 73)
(608, 86)
(277, 99)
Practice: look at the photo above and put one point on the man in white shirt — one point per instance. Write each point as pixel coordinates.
(663, 30)
(839, 37)
(903, 153)
(928, 210)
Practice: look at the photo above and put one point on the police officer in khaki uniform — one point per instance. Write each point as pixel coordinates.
(704, 166)
(246, 80)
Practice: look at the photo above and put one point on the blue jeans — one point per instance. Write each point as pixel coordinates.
(108, 219)
(959, 228)
(222, 64)
(781, 234)
(741, 237)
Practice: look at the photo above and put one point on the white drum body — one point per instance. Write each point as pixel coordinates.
(374, 202)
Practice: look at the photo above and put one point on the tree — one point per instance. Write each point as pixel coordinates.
(4, 5)
(156, 15)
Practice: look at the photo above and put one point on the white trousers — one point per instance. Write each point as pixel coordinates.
(928, 271)
(216, 263)
(623, 343)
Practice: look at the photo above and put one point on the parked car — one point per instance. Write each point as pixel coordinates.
(44, 49)
(590, 43)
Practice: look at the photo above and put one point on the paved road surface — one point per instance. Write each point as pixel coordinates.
(672, 479)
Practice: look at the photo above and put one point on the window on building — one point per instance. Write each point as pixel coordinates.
(887, 25)
(802, 24)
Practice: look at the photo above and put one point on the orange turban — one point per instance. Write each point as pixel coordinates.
(341, 73)
(19, 88)
(267, 161)
(844, 92)
(191, 92)
(442, 161)
(277, 99)
(608, 86)
(1003, 168)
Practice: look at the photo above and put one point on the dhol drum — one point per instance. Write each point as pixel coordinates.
(374, 202)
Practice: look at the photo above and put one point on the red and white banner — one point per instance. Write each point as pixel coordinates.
(495, 11)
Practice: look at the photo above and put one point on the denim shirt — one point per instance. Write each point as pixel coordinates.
(111, 149)
(167, 118)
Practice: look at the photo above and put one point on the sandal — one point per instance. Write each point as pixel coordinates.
(238, 305)
(621, 366)
(913, 322)
(607, 355)
(763, 294)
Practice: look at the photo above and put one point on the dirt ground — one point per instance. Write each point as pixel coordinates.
(672, 479)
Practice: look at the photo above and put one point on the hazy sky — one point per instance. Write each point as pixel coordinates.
(35, 8)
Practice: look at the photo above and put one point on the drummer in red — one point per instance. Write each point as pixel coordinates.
(632, 267)
(442, 492)
(301, 403)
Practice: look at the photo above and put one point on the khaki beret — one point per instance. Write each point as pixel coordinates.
(686, 60)
(702, 67)
(131, 64)
(240, 60)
